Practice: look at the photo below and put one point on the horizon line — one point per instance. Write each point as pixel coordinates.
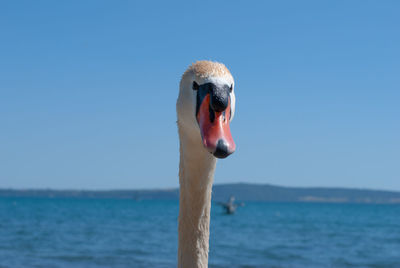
(177, 188)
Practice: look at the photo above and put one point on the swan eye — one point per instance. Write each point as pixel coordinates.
(231, 88)
(195, 86)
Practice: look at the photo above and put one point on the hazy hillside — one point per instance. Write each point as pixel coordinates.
(266, 192)
(242, 191)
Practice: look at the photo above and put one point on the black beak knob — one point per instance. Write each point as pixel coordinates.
(219, 99)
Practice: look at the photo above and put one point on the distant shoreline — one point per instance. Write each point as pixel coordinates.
(221, 192)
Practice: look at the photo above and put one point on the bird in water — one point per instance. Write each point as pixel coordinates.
(230, 206)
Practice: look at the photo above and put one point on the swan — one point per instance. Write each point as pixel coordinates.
(205, 107)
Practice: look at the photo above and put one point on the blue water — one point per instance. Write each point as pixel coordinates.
(41, 232)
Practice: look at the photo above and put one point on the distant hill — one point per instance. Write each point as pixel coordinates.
(221, 192)
(272, 193)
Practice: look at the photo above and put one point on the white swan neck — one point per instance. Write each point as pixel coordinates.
(196, 172)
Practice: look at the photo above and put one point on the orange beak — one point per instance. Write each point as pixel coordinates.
(215, 130)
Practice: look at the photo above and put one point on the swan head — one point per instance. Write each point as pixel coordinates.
(206, 106)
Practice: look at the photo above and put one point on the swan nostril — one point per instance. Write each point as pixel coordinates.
(212, 114)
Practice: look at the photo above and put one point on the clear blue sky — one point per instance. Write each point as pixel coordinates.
(88, 91)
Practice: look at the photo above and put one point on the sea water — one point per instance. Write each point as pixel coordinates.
(56, 232)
